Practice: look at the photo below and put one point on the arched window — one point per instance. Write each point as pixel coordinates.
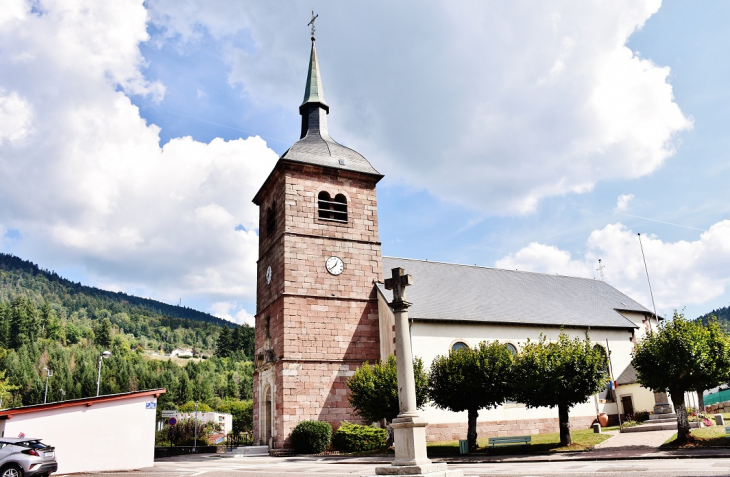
(458, 345)
(340, 207)
(512, 349)
(324, 205)
(271, 219)
(334, 210)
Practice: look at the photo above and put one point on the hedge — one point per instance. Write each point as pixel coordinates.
(354, 438)
(311, 437)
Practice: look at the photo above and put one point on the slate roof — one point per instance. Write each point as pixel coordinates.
(317, 146)
(628, 376)
(449, 292)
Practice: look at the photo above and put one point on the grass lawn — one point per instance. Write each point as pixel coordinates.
(705, 437)
(583, 439)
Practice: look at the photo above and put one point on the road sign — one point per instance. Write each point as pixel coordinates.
(167, 413)
(173, 421)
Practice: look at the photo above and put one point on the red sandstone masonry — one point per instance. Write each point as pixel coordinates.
(456, 431)
(321, 326)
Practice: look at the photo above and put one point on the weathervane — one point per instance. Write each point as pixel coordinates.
(311, 23)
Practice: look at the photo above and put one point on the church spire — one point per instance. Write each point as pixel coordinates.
(313, 91)
(314, 109)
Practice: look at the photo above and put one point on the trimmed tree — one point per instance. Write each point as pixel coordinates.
(682, 356)
(374, 390)
(562, 374)
(470, 379)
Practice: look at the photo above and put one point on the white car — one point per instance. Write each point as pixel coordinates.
(26, 457)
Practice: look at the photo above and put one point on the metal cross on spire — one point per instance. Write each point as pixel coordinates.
(311, 23)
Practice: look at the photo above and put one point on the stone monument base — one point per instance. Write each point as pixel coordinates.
(427, 470)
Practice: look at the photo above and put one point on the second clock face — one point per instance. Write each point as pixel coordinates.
(334, 265)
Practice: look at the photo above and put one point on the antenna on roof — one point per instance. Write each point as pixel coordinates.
(647, 276)
(600, 269)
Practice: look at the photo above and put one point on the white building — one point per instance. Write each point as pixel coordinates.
(459, 305)
(104, 433)
(225, 420)
(180, 352)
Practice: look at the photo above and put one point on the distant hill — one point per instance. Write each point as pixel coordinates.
(722, 314)
(47, 321)
(18, 276)
(79, 310)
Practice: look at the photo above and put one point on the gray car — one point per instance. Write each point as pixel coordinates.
(26, 457)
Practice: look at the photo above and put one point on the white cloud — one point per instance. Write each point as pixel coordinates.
(492, 105)
(15, 117)
(682, 273)
(232, 312)
(622, 203)
(93, 187)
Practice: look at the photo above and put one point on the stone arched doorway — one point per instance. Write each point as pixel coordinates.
(267, 420)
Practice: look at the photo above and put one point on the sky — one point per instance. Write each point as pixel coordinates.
(539, 136)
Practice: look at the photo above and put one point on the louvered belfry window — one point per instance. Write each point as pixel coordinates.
(271, 220)
(334, 210)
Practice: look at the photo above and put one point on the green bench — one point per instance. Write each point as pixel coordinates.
(524, 440)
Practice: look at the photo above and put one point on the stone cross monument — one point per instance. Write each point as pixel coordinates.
(409, 427)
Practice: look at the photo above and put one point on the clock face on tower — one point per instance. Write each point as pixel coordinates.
(334, 265)
(268, 275)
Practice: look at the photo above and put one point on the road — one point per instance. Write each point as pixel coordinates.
(323, 467)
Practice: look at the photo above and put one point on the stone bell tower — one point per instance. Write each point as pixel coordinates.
(319, 255)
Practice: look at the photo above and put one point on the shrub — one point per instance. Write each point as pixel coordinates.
(311, 437)
(642, 416)
(354, 438)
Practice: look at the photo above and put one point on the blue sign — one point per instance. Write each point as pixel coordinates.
(173, 421)
(150, 405)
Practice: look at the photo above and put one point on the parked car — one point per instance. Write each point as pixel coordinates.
(26, 457)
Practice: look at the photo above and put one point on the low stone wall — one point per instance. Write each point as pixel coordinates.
(718, 407)
(457, 430)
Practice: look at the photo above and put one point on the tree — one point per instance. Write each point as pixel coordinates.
(5, 388)
(682, 356)
(223, 345)
(715, 371)
(242, 412)
(374, 389)
(103, 335)
(562, 374)
(470, 379)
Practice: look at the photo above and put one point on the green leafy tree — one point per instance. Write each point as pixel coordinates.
(470, 379)
(242, 412)
(682, 356)
(374, 389)
(562, 374)
(5, 389)
(716, 371)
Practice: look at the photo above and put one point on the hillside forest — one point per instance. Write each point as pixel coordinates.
(50, 323)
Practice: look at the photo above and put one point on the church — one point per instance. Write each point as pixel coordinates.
(322, 309)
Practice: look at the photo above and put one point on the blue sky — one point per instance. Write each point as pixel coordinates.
(533, 137)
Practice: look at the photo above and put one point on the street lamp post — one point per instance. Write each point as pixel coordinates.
(105, 354)
(49, 373)
(195, 442)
